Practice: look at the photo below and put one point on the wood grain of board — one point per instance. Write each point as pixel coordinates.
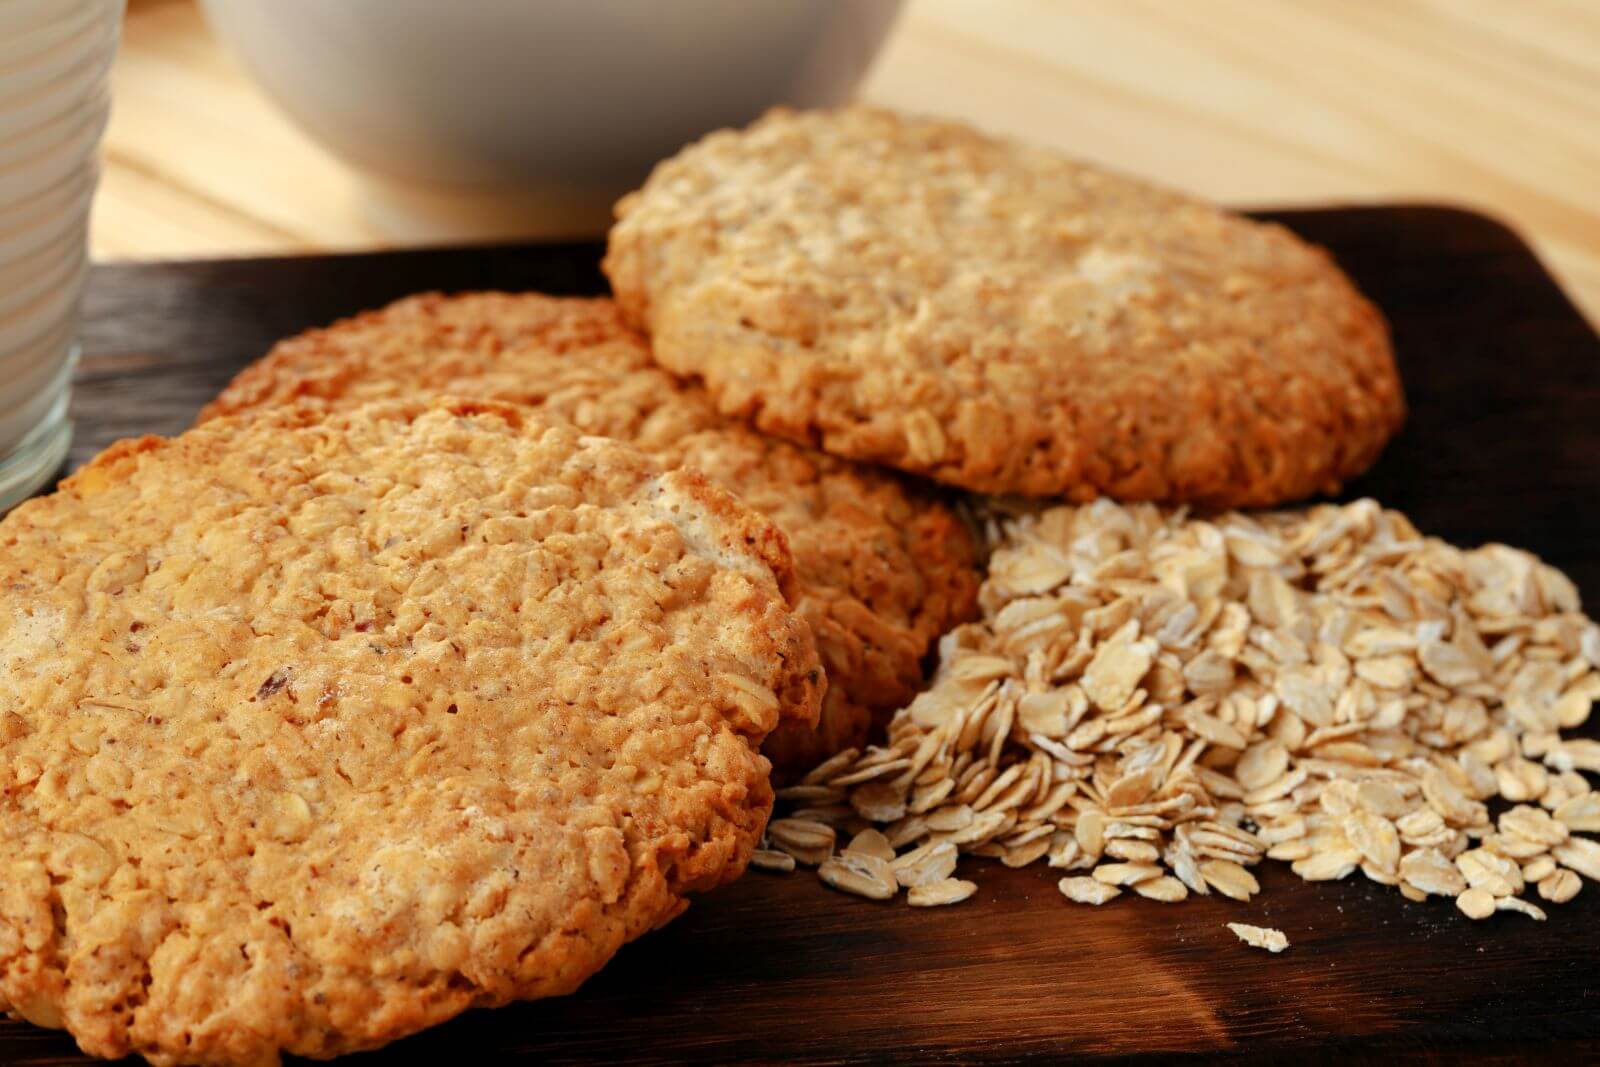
(1503, 377)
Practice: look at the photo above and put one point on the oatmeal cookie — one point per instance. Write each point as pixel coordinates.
(992, 315)
(318, 731)
(883, 568)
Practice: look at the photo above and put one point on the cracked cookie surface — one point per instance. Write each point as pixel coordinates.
(318, 731)
(997, 317)
(882, 567)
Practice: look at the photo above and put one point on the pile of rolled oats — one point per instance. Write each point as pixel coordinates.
(1156, 702)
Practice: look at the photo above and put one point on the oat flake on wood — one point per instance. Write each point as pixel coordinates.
(1153, 699)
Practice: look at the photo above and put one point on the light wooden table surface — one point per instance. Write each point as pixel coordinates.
(1481, 103)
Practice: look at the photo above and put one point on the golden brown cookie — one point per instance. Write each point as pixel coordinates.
(315, 733)
(883, 568)
(912, 292)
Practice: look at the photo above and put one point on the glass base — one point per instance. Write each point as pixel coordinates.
(37, 457)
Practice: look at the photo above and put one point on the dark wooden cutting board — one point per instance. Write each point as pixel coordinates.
(1503, 377)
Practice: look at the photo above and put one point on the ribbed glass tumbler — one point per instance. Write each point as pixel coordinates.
(55, 56)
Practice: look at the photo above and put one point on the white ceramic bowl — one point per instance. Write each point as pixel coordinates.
(532, 116)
